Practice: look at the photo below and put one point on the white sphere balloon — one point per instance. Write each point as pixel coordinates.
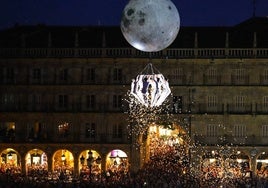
(150, 25)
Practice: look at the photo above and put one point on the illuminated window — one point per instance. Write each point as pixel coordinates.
(64, 130)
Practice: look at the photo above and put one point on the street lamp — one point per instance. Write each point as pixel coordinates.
(63, 157)
(10, 156)
(82, 160)
(90, 162)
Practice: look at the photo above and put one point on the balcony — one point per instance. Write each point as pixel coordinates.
(130, 52)
(215, 109)
(243, 109)
(251, 140)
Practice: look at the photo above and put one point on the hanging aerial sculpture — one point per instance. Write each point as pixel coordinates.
(150, 88)
(150, 26)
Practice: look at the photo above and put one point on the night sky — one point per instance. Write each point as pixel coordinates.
(108, 12)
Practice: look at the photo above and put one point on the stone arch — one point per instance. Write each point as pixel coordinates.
(262, 164)
(117, 161)
(10, 160)
(63, 162)
(90, 164)
(225, 163)
(36, 160)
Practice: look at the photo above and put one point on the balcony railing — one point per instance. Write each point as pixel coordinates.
(130, 52)
(215, 109)
(186, 108)
(101, 138)
(54, 107)
(250, 140)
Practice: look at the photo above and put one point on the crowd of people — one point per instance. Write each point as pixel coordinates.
(167, 167)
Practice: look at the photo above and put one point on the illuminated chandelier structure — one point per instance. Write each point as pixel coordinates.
(149, 88)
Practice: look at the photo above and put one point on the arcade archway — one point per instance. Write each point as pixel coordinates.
(225, 164)
(262, 165)
(63, 162)
(117, 162)
(36, 162)
(10, 161)
(90, 165)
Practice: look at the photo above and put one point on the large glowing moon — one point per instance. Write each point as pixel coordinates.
(150, 25)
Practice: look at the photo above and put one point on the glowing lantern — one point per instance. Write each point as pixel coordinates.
(150, 89)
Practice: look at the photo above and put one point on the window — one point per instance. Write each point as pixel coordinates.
(212, 130)
(266, 74)
(36, 132)
(212, 101)
(37, 75)
(90, 130)
(7, 131)
(90, 74)
(265, 101)
(117, 101)
(239, 131)
(35, 101)
(177, 104)
(7, 99)
(117, 74)
(264, 131)
(239, 74)
(63, 101)
(117, 131)
(240, 101)
(90, 101)
(177, 74)
(64, 75)
(10, 75)
(64, 130)
(1, 75)
(212, 74)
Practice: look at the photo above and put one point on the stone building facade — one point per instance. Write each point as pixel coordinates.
(63, 90)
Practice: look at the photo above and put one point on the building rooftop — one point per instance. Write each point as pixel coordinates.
(248, 34)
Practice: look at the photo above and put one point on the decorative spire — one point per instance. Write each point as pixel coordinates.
(49, 43)
(103, 39)
(255, 40)
(76, 40)
(196, 40)
(227, 40)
